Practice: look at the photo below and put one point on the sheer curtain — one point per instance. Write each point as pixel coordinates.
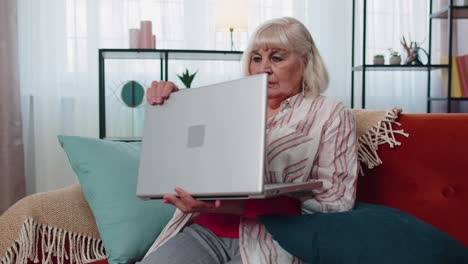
(330, 25)
(58, 53)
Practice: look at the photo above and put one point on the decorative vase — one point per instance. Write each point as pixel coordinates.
(379, 60)
(395, 60)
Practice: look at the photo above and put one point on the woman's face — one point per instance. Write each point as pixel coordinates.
(284, 68)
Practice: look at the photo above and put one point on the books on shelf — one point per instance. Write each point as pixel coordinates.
(462, 63)
(459, 87)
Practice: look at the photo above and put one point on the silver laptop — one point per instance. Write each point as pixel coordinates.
(209, 141)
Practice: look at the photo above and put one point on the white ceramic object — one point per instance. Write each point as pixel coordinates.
(395, 60)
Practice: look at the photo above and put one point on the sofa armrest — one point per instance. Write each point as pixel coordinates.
(56, 225)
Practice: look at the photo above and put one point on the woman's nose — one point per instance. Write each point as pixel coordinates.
(265, 67)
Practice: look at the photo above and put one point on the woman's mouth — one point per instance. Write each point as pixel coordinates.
(271, 84)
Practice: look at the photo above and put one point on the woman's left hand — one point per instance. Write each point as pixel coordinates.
(187, 204)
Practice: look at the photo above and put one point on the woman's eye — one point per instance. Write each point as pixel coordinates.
(277, 58)
(256, 58)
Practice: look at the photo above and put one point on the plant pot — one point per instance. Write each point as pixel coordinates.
(395, 60)
(379, 60)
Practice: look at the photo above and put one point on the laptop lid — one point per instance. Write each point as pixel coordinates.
(209, 141)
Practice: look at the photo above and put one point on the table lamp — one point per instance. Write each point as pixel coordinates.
(231, 15)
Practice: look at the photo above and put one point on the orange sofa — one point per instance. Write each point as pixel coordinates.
(425, 176)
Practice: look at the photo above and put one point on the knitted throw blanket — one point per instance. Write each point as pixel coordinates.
(60, 223)
(376, 128)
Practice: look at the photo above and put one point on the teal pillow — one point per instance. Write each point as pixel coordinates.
(107, 172)
(367, 234)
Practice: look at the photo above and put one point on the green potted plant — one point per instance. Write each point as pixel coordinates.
(379, 59)
(395, 57)
(187, 78)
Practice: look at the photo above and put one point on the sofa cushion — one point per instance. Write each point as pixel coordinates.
(107, 172)
(367, 234)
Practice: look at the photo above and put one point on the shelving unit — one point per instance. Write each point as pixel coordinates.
(451, 12)
(455, 12)
(372, 67)
(160, 63)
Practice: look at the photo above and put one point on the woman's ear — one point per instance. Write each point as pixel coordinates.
(305, 60)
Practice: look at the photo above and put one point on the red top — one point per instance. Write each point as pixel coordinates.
(227, 225)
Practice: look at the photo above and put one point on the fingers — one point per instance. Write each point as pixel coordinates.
(160, 91)
(184, 194)
(191, 205)
(150, 93)
(187, 204)
(175, 201)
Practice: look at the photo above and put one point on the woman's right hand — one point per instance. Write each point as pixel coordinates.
(160, 91)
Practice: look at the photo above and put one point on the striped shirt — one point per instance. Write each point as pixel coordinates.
(311, 138)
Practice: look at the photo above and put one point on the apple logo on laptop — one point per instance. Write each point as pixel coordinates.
(196, 136)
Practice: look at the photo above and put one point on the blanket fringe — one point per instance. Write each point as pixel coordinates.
(381, 133)
(82, 249)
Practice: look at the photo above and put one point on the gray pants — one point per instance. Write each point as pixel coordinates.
(196, 244)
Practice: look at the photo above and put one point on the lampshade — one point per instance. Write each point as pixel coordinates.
(231, 14)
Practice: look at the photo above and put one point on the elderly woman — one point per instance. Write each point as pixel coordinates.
(309, 136)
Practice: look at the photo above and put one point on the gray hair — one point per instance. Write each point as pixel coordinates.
(290, 34)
